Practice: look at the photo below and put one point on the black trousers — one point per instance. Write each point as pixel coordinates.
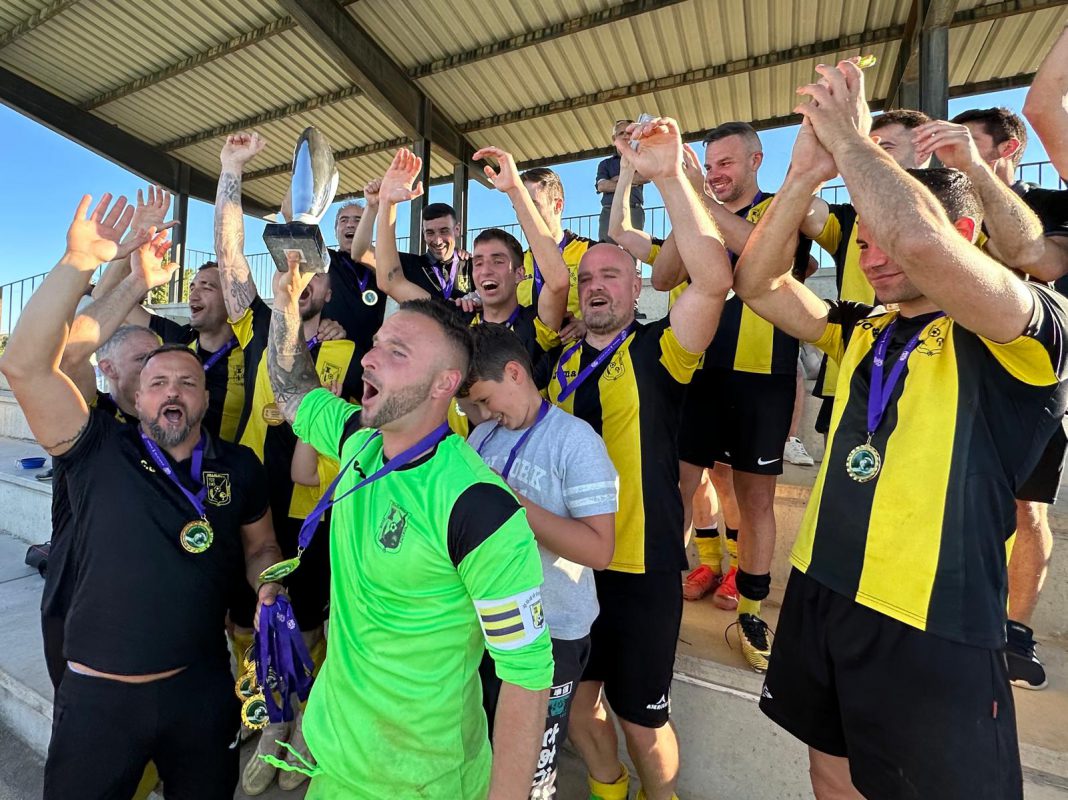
(52, 634)
(104, 732)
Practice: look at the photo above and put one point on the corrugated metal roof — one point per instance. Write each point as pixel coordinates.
(201, 66)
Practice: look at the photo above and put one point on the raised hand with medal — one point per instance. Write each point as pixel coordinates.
(864, 461)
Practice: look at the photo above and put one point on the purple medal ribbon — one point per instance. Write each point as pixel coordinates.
(510, 322)
(566, 387)
(313, 341)
(222, 351)
(283, 663)
(160, 460)
(356, 266)
(307, 530)
(443, 284)
(522, 439)
(539, 281)
(880, 391)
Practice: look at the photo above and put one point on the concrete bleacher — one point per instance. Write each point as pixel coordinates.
(728, 748)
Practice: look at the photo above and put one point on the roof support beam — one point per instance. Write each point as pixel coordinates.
(359, 56)
(737, 67)
(35, 20)
(109, 141)
(923, 60)
(263, 118)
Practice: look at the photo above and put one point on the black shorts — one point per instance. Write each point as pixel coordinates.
(569, 659)
(737, 418)
(308, 586)
(1045, 479)
(105, 732)
(917, 716)
(633, 643)
(823, 416)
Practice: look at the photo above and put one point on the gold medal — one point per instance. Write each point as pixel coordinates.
(196, 536)
(246, 686)
(254, 712)
(370, 297)
(276, 572)
(863, 463)
(272, 415)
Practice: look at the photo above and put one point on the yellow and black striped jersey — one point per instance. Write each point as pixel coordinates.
(744, 341)
(923, 541)
(633, 401)
(575, 248)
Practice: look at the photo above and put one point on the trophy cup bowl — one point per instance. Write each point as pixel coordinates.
(311, 191)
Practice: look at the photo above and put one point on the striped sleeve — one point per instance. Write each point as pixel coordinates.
(1038, 356)
(591, 483)
(677, 360)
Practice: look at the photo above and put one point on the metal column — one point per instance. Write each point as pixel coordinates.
(178, 236)
(460, 183)
(421, 148)
(934, 72)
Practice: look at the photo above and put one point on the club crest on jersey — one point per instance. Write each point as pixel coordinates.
(330, 373)
(615, 369)
(237, 373)
(391, 531)
(537, 615)
(218, 484)
(934, 341)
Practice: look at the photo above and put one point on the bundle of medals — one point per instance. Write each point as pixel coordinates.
(277, 666)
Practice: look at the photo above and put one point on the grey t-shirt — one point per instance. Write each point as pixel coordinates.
(563, 467)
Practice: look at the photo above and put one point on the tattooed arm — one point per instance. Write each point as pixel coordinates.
(239, 289)
(289, 365)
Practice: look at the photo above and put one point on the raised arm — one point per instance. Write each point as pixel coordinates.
(289, 364)
(906, 220)
(1046, 106)
(396, 188)
(148, 213)
(361, 251)
(94, 326)
(620, 229)
(54, 408)
(235, 275)
(763, 276)
(552, 302)
(1016, 235)
(695, 315)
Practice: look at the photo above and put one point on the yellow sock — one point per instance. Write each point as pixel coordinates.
(747, 606)
(732, 546)
(610, 791)
(149, 779)
(709, 548)
(641, 795)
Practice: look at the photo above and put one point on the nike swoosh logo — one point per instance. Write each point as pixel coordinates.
(761, 462)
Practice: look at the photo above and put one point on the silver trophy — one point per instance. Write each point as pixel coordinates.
(310, 193)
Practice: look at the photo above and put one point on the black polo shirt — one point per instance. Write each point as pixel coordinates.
(62, 567)
(420, 271)
(142, 603)
(348, 283)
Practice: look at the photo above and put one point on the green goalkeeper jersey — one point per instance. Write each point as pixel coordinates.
(431, 565)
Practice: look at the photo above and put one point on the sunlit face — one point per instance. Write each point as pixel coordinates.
(345, 225)
(507, 401)
(440, 236)
(172, 397)
(405, 370)
(731, 168)
(315, 295)
(123, 369)
(984, 143)
(548, 206)
(608, 287)
(887, 278)
(896, 140)
(207, 309)
(496, 276)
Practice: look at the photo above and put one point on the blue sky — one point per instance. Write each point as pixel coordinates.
(46, 174)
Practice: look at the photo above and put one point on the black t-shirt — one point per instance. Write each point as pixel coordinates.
(1051, 207)
(420, 271)
(349, 282)
(141, 602)
(62, 569)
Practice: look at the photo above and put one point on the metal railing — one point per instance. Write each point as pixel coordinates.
(14, 294)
